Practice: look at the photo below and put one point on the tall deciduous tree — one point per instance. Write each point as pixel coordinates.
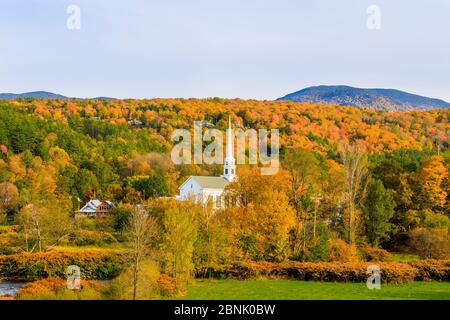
(304, 171)
(142, 232)
(304, 175)
(269, 224)
(432, 175)
(180, 232)
(211, 245)
(356, 179)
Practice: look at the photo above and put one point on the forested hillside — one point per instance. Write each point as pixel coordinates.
(58, 154)
(100, 148)
(375, 99)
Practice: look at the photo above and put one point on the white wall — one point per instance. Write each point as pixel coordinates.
(192, 189)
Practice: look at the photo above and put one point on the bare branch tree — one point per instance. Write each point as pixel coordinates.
(142, 232)
(356, 180)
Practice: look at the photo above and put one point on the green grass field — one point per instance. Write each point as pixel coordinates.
(398, 257)
(302, 290)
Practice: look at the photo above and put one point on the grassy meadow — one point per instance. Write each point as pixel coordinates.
(312, 290)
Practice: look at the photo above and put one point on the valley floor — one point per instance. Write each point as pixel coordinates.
(301, 290)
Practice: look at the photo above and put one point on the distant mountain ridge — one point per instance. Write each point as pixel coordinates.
(42, 95)
(34, 94)
(375, 99)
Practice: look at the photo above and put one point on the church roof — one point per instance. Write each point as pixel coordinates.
(210, 182)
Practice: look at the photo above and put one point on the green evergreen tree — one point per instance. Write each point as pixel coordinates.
(378, 210)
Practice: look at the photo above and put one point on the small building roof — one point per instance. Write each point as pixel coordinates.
(95, 202)
(206, 182)
(92, 205)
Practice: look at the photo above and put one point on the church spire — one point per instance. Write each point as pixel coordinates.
(229, 168)
(229, 140)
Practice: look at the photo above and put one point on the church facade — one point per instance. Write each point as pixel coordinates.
(206, 189)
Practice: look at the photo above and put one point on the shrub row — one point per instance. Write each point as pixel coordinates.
(438, 270)
(91, 238)
(94, 264)
(50, 287)
(391, 272)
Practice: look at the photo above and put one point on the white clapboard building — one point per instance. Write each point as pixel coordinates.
(206, 189)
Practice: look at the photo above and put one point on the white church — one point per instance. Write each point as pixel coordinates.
(208, 190)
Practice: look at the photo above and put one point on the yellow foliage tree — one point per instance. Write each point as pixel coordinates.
(432, 175)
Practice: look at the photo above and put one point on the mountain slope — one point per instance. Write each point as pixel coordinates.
(41, 95)
(376, 99)
(34, 94)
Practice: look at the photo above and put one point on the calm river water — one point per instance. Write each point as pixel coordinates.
(10, 288)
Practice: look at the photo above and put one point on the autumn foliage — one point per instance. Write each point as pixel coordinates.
(311, 221)
(323, 271)
(50, 286)
(340, 251)
(94, 264)
(169, 287)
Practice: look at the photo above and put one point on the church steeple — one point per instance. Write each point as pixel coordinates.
(229, 168)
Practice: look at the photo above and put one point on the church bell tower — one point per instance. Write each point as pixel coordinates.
(229, 168)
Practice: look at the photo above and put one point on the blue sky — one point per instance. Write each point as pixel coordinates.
(227, 48)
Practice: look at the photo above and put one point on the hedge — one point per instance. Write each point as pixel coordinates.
(49, 288)
(391, 272)
(438, 270)
(94, 264)
(107, 264)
